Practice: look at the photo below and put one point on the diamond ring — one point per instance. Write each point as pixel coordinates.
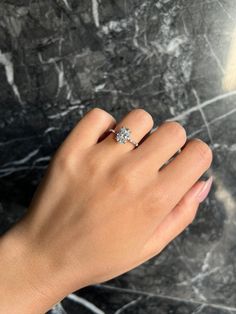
(123, 136)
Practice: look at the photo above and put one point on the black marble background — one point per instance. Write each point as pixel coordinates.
(174, 58)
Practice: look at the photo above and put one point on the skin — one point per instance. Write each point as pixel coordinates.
(101, 209)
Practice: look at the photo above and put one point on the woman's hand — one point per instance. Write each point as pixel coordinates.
(103, 207)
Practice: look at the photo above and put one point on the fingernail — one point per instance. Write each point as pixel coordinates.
(202, 195)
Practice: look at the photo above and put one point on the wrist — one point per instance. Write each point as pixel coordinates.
(26, 277)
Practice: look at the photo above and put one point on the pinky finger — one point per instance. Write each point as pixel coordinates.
(178, 219)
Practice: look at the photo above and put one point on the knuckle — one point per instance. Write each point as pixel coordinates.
(99, 113)
(176, 129)
(122, 179)
(65, 161)
(203, 150)
(143, 115)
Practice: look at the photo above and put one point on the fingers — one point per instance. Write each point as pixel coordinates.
(161, 145)
(178, 219)
(88, 131)
(139, 122)
(181, 173)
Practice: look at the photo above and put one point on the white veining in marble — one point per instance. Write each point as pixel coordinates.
(95, 7)
(6, 61)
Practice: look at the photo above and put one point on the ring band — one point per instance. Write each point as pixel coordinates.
(123, 136)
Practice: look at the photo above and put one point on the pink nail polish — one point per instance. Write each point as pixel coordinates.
(202, 195)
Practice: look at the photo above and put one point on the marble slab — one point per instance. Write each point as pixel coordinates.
(174, 58)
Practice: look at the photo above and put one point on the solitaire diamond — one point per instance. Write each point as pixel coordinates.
(123, 135)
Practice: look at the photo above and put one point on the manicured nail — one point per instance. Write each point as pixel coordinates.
(202, 195)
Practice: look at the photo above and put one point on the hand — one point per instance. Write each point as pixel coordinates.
(104, 208)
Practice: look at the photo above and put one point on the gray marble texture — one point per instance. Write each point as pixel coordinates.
(174, 58)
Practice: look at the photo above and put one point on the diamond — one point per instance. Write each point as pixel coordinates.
(123, 135)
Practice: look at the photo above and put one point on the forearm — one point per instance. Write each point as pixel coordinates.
(23, 281)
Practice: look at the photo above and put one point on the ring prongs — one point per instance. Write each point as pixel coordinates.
(123, 136)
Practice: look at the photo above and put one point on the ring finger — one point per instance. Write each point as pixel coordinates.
(139, 122)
